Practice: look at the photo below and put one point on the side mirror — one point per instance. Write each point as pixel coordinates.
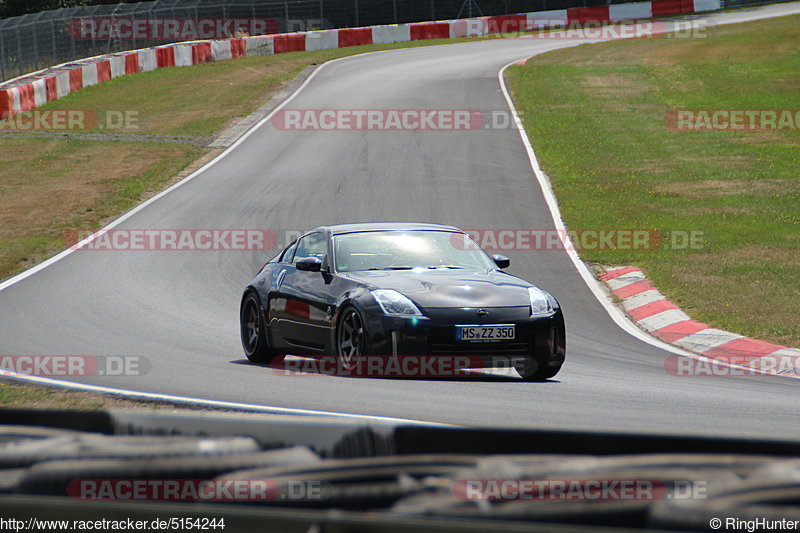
(309, 264)
(501, 261)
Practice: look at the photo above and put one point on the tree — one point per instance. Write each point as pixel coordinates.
(14, 8)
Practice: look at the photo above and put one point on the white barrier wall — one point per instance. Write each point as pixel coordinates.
(260, 46)
(395, 33)
(183, 55)
(322, 40)
(546, 19)
(117, 66)
(62, 84)
(147, 60)
(634, 10)
(39, 92)
(476, 27)
(707, 5)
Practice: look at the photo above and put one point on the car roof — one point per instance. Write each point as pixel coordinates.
(340, 229)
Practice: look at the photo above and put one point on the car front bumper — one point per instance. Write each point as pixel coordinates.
(540, 338)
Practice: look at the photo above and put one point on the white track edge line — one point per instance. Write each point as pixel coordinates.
(210, 403)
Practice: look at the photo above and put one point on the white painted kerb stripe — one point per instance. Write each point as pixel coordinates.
(643, 298)
(706, 339)
(626, 279)
(663, 319)
(785, 352)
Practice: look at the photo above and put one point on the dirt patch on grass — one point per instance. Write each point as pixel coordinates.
(702, 50)
(718, 161)
(764, 137)
(721, 210)
(50, 186)
(681, 54)
(615, 91)
(613, 85)
(66, 179)
(656, 166)
(712, 188)
(785, 256)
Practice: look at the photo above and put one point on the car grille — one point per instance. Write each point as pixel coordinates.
(444, 343)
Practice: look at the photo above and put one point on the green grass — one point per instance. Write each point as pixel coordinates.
(17, 395)
(51, 187)
(595, 115)
(82, 194)
(14, 394)
(182, 101)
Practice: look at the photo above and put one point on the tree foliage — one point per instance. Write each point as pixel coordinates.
(15, 8)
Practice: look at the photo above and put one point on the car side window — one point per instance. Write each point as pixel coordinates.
(312, 245)
(288, 254)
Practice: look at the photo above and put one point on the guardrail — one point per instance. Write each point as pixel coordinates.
(728, 4)
(38, 40)
(29, 92)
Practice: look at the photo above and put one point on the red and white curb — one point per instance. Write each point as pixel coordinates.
(654, 313)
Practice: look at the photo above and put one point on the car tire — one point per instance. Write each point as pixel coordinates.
(547, 360)
(350, 337)
(253, 330)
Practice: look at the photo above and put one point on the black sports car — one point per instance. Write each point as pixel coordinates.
(399, 289)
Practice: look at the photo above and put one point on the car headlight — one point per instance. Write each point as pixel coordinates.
(394, 303)
(540, 303)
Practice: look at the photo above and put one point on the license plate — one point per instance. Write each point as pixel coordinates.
(487, 332)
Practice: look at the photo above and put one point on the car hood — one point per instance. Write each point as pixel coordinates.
(450, 288)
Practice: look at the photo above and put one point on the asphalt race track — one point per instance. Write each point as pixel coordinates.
(180, 309)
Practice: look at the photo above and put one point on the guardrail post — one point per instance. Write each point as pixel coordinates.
(72, 52)
(19, 51)
(53, 51)
(35, 45)
(2, 59)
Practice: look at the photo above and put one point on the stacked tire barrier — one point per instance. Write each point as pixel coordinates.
(34, 90)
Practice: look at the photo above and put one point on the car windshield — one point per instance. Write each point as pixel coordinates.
(405, 250)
